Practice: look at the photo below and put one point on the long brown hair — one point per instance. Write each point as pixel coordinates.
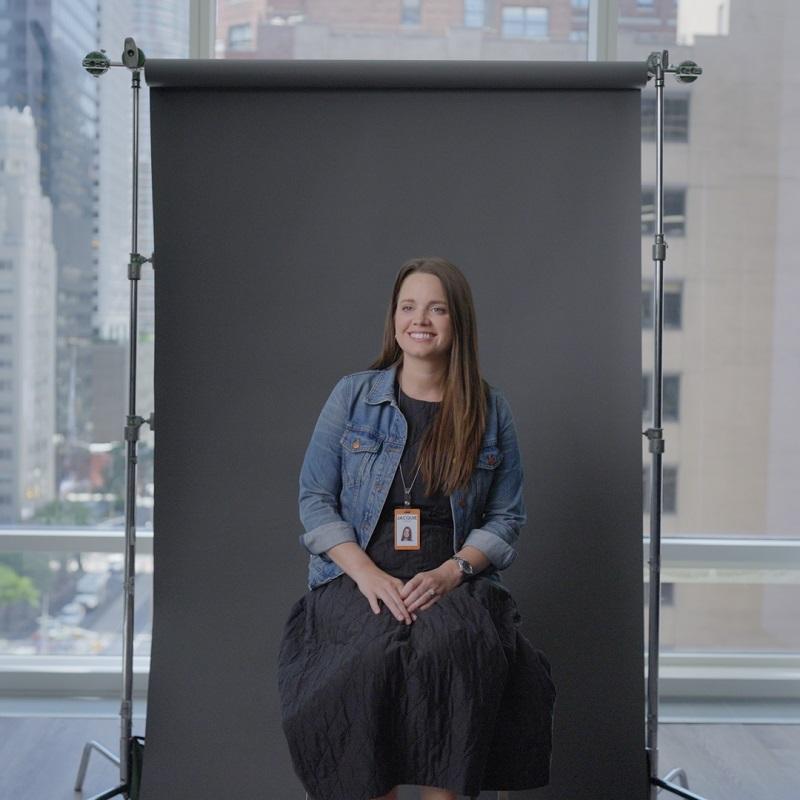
(449, 449)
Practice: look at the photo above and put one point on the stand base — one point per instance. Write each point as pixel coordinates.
(87, 751)
(682, 790)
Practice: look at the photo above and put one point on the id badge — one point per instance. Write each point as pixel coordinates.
(407, 528)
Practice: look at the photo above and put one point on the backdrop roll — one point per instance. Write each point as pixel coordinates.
(286, 195)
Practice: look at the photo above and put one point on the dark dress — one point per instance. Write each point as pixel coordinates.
(458, 699)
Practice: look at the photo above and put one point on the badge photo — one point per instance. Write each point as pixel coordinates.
(407, 528)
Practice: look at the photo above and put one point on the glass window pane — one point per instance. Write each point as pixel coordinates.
(730, 300)
(65, 168)
(68, 603)
(472, 30)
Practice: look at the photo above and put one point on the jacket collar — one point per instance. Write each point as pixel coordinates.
(382, 389)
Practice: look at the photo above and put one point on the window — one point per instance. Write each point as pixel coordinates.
(673, 296)
(412, 12)
(667, 594)
(527, 22)
(669, 487)
(670, 400)
(676, 118)
(474, 13)
(240, 37)
(674, 212)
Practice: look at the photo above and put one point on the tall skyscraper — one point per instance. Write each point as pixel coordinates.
(27, 323)
(48, 41)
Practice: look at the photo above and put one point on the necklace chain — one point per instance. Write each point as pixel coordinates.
(407, 489)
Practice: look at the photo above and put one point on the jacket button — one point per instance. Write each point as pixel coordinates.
(462, 503)
(356, 444)
(490, 459)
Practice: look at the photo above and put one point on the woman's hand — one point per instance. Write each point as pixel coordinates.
(376, 584)
(416, 593)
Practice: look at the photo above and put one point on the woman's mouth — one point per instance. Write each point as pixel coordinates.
(422, 337)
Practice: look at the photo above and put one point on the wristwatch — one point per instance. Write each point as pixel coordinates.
(466, 568)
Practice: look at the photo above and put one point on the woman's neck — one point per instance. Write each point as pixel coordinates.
(421, 383)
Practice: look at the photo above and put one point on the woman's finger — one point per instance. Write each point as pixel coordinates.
(423, 599)
(399, 607)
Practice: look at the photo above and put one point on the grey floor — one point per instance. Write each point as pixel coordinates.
(39, 755)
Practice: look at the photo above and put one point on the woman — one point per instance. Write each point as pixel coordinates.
(404, 664)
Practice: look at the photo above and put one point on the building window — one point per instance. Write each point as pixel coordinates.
(474, 13)
(674, 212)
(667, 594)
(580, 3)
(676, 118)
(673, 304)
(240, 37)
(412, 12)
(669, 488)
(670, 401)
(528, 22)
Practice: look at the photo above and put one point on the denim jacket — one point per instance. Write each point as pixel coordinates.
(350, 464)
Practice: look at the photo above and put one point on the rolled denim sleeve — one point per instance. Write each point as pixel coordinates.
(321, 477)
(504, 512)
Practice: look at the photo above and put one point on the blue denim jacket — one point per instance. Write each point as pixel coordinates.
(350, 464)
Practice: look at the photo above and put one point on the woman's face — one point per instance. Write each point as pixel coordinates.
(422, 309)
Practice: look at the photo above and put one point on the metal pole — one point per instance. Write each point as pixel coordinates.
(687, 72)
(131, 435)
(97, 64)
(656, 443)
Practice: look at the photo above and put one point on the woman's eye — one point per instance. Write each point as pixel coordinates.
(435, 308)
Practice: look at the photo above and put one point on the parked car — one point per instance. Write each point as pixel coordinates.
(72, 613)
(89, 601)
(92, 588)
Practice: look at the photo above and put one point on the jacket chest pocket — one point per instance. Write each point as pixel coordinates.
(489, 458)
(360, 448)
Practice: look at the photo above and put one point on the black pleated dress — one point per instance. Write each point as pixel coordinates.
(458, 699)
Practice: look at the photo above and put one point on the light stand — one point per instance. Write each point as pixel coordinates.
(687, 72)
(97, 63)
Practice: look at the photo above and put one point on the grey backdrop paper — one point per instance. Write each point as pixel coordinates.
(282, 213)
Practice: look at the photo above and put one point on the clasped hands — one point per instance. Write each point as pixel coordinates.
(405, 599)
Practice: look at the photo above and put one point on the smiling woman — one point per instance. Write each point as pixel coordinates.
(404, 663)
